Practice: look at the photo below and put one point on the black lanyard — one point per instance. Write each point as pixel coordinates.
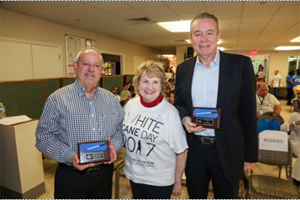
(261, 101)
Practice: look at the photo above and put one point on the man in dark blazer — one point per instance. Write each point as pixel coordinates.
(217, 80)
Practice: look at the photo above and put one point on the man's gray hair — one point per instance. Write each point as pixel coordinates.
(87, 49)
(205, 15)
(259, 85)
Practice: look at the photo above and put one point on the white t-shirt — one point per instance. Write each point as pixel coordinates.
(153, 136)
(261, 74)
(276, 80)
(169, 75)
(118, 97)
(267, 103)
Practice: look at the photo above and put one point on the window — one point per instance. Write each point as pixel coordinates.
(294, 63)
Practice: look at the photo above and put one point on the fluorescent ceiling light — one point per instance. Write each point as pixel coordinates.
(286, 48)
(178, 26)
(297, 39)
(168, 55)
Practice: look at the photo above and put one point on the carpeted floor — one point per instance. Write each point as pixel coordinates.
(125, 191)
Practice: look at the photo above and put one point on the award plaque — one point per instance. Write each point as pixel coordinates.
(207, 117)
(92, 152)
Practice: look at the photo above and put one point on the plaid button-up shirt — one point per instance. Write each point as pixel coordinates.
(69, 117)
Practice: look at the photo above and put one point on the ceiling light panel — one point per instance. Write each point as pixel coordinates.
(179, 26)
(288, 48)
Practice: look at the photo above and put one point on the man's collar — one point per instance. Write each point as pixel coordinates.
(80, 88)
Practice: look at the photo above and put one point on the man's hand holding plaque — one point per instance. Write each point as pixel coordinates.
(112, 152)
(207, 117)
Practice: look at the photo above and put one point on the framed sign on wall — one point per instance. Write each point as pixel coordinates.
(73, 45)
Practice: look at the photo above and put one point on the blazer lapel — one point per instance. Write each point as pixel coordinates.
(224, 76)
(189, 76)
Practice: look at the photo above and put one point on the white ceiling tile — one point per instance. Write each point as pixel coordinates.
(220, 14)
(291, 3)
(144, 4)
(243, 24)
(286, 10)
(187, 16)
(108, 6)
(223, 5)
(262, 5)
(152, 11)
(259, 12)
(165, 18)
(189, 7)
(79, 9)
(257, 19)
(291, 16)
(127, 14)
(100, 16)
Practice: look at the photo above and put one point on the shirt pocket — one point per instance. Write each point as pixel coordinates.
(108, 124)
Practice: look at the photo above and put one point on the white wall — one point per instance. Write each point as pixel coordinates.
(23, 27)
(278, 60)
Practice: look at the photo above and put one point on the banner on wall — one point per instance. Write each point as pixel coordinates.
(73, 46)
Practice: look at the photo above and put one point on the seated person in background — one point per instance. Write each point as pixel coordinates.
(131, 90)
(115, 91)
(297, 91)
(172, 96)
(266, 102)
(292, 125)
(259, 80)
(171, 83)
(167, 93)
(125, 97)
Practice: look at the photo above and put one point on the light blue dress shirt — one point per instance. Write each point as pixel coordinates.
(205, 86)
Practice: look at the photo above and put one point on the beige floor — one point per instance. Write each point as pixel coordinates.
(125, 192)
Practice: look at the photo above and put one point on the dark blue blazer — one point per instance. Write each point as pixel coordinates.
(236, 140)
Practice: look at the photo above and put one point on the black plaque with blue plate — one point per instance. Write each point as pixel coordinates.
(93, 152)
(207, 117)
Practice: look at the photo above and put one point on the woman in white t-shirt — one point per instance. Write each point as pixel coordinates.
(261, 73)
(169, 74)
(155, 141)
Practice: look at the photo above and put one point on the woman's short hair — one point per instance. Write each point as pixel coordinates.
(152, 68)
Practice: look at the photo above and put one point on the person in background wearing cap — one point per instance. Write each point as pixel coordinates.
(125, 97)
